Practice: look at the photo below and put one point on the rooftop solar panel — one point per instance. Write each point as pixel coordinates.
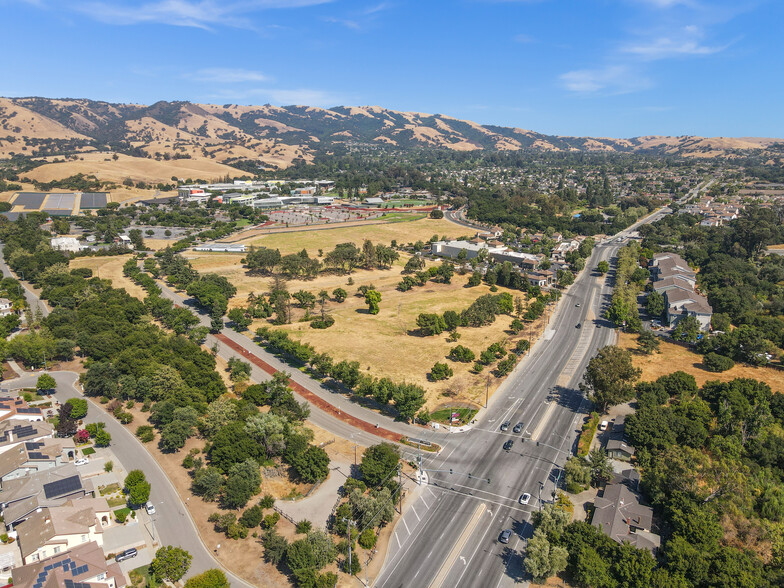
(23, 431)
(62, 487)
(61, 201)
(57, 211)
(29, 200)
(37, 455)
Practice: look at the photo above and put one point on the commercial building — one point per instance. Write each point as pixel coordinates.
(70, 244)
(672, 277)
(221, 248)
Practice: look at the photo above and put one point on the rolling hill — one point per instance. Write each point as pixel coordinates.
(279, 136)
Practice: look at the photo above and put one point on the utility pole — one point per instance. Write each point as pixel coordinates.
(541, 485)
(400, 488)
(487, 389)
(348, 531)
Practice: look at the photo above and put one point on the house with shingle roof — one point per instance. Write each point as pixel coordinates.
(84, 566)
(620, 515)
(53, 530)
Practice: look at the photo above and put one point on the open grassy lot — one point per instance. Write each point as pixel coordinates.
(674, 357)
(387, 344)
(326, 238)
(110, 268)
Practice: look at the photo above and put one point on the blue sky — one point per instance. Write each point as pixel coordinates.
(617, 68)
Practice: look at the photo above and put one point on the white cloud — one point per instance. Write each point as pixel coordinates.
(684, 42)
(187, 13)
(612, 79)
(224, 75)
(523, 38)
(282, 96)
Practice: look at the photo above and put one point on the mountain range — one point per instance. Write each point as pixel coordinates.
(277, 136)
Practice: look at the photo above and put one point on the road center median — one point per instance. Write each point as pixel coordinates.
(449, 562)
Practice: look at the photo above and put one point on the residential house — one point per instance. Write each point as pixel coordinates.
(53, 530)
(6, 307)
(681, 303)
(621, 516)
(618, 449)
(21, 497)
(84, 566)
(541, 278)
(15, 407)
(14, 431)
(35, 456)
(673, 277)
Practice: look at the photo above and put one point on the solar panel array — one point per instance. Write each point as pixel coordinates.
(23, 431)
(94, 200)
(62, 487)
(61, 201)
(37, 455)
(30, 200)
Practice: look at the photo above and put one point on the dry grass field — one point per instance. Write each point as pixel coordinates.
(326, 239)
(110, 268)
(673, 358)
(103, 166)
(387, 344)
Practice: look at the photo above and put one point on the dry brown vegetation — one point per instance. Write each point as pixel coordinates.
(673, 357)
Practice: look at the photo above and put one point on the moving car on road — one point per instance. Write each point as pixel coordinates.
(518, 427)
(508, 445)
(525, 498)
(505, 535)
(505, 426)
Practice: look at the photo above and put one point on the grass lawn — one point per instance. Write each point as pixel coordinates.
(411, 231)
(122, 513)
(88, 451)
(403, 217)
(142, 578)
(443, 415)
(673, 357)
(116, 501)
(242, 222)
(110, 489)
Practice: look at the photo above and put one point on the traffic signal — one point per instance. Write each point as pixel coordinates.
(450, 470)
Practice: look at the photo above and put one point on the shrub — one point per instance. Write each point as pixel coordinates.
(351, 483)
(145, 433)
(323, 323)
(252, 517)
(108, 466)
(367, 539)
(270, 520)
(267, 501)
(714, 362)
(304, 526)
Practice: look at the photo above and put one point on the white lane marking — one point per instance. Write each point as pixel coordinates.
(479, 544)
(422, 500)
(463, 560)
(431, 492)
(415, 513)
(403, 519)
(398, 540)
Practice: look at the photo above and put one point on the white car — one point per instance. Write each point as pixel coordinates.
(525, 498)
(82, 461)
(150, 508)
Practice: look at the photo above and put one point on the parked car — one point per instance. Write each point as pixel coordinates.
(82, 461)
(508, 445)
(518, 427)
(505, 426)
(525, 498)
(150, 508)
(505, 535)
(604, 425)
(127, 554)
(579, 326)
(577, 305)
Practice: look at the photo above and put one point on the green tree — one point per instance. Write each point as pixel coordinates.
(46, 382)
(378, 463)
(213, 578)
(714, 362)
(137, 487)
(687, 329)
(78, 407)
(275, 547)
(240, 319)
(207, 483)
(591, 569)
(431, 323)
(543, 560)
(610, 376)
(171, 563)
(440, 371)
(654, 304)
(372, 298)
(600, 467)
(648, 342)
(102, 438)
(339, 294)
(312, 464)
(603, 267)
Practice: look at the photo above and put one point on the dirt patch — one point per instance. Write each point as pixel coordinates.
(674, 357)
